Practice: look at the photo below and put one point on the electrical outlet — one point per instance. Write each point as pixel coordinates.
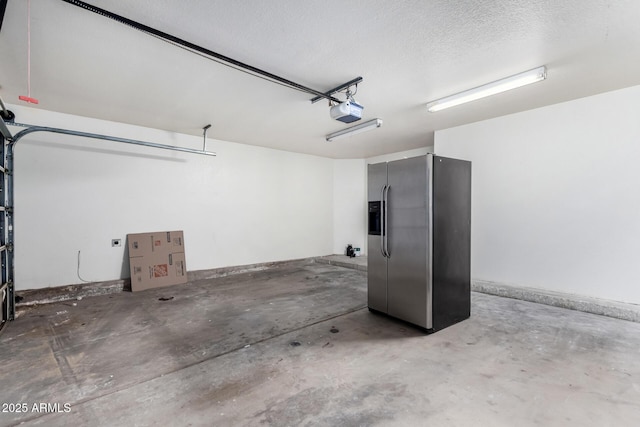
(116, 243)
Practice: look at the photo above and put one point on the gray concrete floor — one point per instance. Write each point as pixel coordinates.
(295, 345)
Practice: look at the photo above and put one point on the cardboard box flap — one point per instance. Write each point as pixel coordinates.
(163, 242)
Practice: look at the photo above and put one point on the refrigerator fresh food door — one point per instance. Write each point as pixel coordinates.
(407, 234)
(377, 262)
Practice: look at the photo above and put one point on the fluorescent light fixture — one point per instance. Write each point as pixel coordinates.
(362, 127)
(503, 85)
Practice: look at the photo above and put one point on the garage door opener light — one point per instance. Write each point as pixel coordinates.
(362, 127)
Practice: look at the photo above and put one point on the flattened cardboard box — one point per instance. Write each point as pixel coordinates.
(156, 259)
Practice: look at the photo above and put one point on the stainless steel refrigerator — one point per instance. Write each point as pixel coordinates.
(419, 240)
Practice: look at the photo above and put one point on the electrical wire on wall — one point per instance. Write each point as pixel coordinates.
(78, 271)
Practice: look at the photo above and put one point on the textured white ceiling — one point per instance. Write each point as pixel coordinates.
(408, 52)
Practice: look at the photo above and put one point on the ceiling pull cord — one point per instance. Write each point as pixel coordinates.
(28, 98)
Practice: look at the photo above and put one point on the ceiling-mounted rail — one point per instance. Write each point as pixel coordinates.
(14, 140)
(202, 50)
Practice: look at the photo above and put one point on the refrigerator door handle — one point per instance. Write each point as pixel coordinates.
(386, 221)
(382, 228)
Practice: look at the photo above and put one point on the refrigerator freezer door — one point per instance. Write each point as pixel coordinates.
(377, 263)
(407, 236)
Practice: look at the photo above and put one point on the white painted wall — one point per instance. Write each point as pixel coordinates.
(349, 202)
(556, 203)
(248, 205)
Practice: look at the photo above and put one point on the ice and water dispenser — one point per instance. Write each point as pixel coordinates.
(375, 218)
